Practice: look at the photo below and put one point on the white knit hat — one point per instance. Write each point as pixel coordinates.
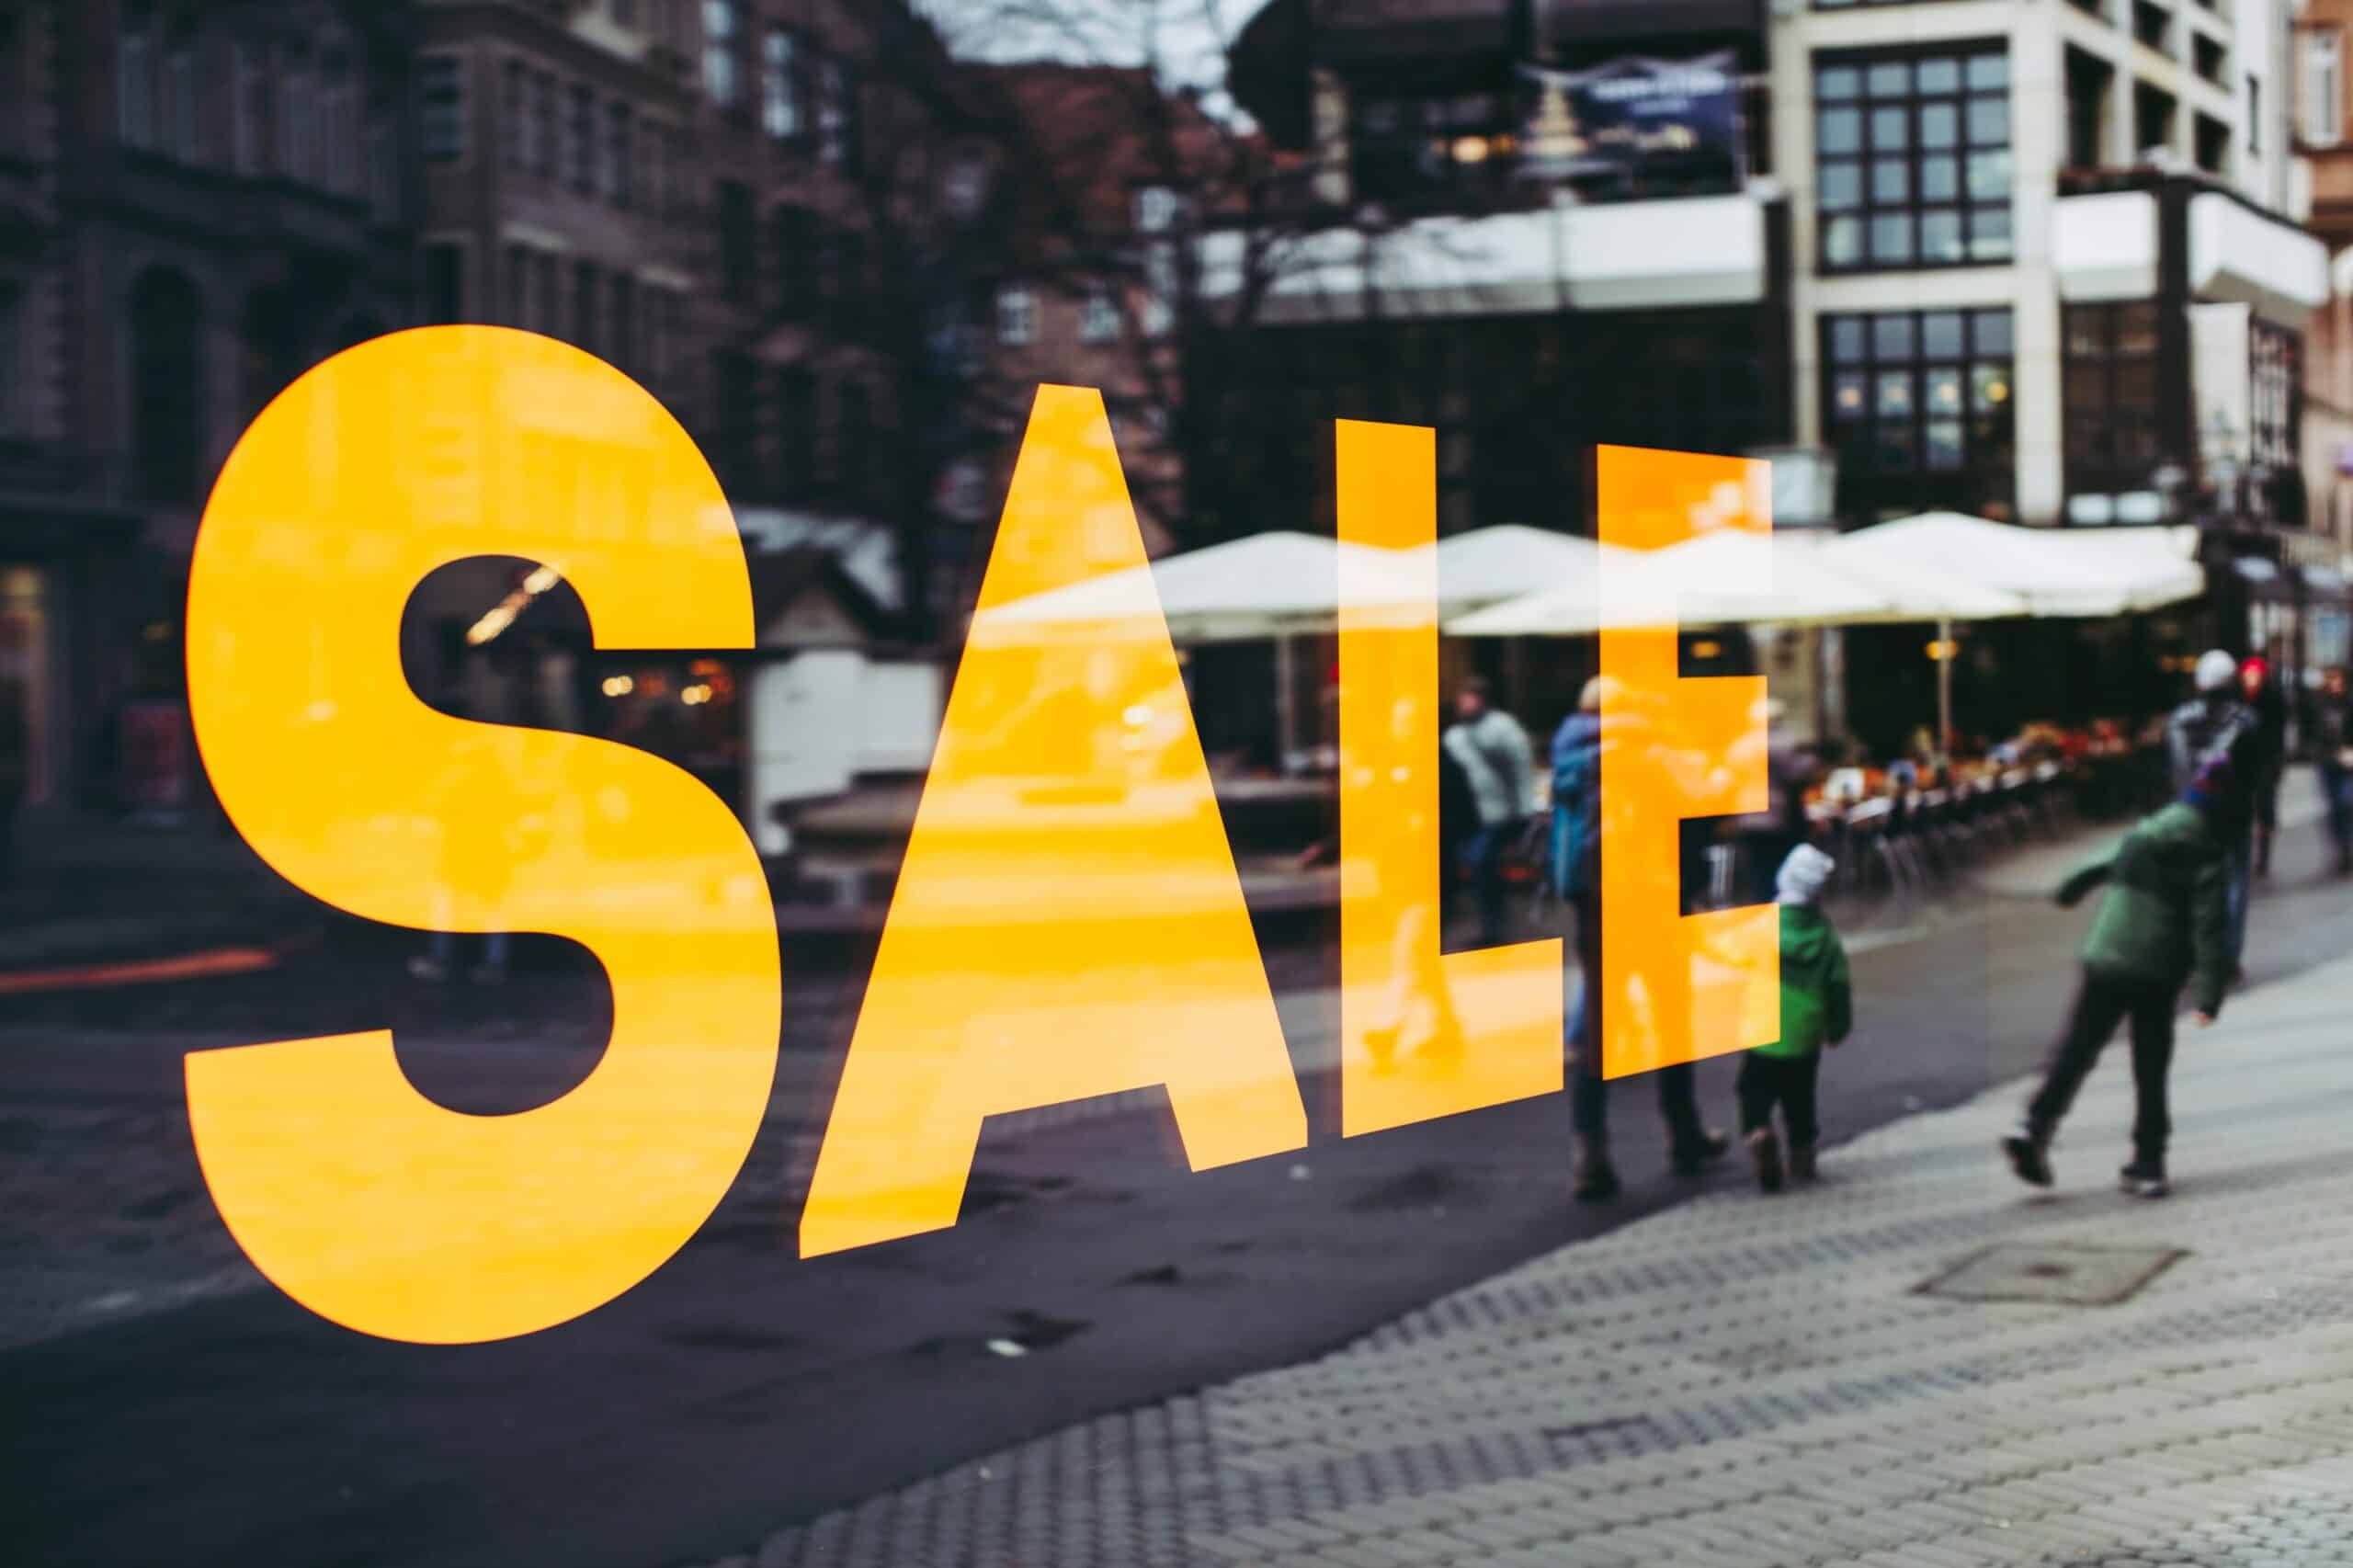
(1803, 875)
(2216, 670)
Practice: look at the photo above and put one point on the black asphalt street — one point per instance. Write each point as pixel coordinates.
(741, 1387)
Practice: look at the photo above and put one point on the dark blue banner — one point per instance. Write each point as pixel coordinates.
(1637, 118)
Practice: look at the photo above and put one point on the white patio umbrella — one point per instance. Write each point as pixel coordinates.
(1730, 576)
(1489, 565)
(1269, 585)
(2051, 571)
(2056, 572)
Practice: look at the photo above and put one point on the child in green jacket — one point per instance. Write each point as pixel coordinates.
(2164, 921)
(1817, 1009)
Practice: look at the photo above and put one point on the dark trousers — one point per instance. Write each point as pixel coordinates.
(2337, 795)
(1482, 862)
(1784, 1081)
(1588, 1090)
(2101, 1003)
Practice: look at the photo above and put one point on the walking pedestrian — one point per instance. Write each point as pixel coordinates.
(1817, 1010)
(2269, 705)
(2330, 726)
(1577, 804)
(2161, 923)
(2217, 719)
(1766, 837)
(1495, 756)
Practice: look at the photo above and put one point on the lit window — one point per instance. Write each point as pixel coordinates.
(2324, 84)
(1016, 317)
(1156, 208)
(1098, 318)
(781, 84)
(719, 18)
(837, 113)
(1918, 405)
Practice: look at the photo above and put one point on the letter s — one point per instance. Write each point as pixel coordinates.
(354, 1193)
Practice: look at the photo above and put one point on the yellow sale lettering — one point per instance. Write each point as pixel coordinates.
(1069, 920)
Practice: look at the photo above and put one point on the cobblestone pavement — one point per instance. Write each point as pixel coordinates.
(1752, 1381)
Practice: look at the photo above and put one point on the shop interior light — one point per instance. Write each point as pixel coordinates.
(696, 695)
(618, 686)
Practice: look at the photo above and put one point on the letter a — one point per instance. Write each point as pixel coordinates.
(1068, 921)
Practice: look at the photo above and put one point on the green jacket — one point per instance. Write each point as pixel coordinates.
(1817, 1004)
(2165, 916)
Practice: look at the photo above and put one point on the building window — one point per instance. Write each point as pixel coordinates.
(338, 124)
(134, 80)
(547, 317)
(719, 44)
(2276, 376)
(624, 324)
(2323, 87)
(445, 284)
(1099, 317)
(836, 112)
(737, 244)
(781, 84)
(297, 131)
(12, 348)
(2153, 26)
(1016, 317)
(2254, 117)
(166, 383)
(2110, 396)
(1404, 148)
(1912, 159)
(796, 415)
(1155, 210)
(441, 121)
(518, 286)
(2210, 60)
(737, 385)
(15, 90)
(543, 135)
(581, 138)
(250, 113)
(1918, 405)
(180, 124)
(2152, 114)
(520, 153)
(2090, 84)
(793, 235)
(621, 156)
(853, 453)
(584, 282)
(2213, 144)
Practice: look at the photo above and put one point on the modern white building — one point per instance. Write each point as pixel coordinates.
(2046, 261)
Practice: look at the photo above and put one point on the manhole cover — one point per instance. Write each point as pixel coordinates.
(2065, 1273)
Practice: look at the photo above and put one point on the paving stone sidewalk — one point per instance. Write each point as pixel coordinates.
(1745, 1382)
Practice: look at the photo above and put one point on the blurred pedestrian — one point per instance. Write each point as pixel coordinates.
(1495, 756)
(2270, 757)
(2330, 726)
(1577, 806)
(1817, 1010)
(2216, 720)
(2161, 923)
